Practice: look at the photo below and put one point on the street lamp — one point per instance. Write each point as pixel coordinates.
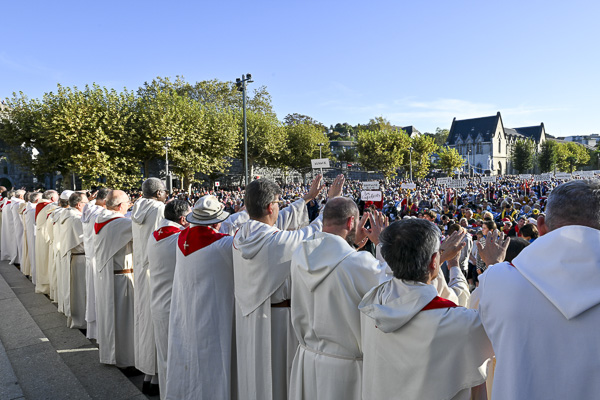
(320, 154)
(241, 86)
(411, 150)
(469, 161)
(167, 140)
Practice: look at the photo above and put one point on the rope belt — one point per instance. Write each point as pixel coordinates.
(330, 355)
(124, 271)
(285, 303)
(78, 254)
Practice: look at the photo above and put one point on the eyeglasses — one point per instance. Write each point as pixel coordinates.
(279, 202)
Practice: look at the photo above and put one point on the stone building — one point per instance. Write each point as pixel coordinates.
(486, 144)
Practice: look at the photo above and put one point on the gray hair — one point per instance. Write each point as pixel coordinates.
(151, 186)
(48, 194)
(175, 209)
(19, 194)
(102, 193)
(63, 203)
(259, 194)
(34, 196)
(407, 247)
(338, 210)
(576, 202)
(26, 196)
(76, 198)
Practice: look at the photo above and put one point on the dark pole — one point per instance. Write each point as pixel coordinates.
(241, 85)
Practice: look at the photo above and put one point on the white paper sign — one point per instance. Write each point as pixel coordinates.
(370, 195)
(488, 179)
(540, 178)
(458, 183)
(320, 163)
(371, 185)
(525, 176)
(563, 175)
(443, 181)
(217, 184)
(411, 186)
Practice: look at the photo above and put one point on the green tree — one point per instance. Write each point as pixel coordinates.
(267, 140)
(378, 124)
(423, 147)
(348, 155)
(450, 160)
(548, 156)
(522, 155)
(571, 155)
(303, 145)
(440, 137)
(382, 150)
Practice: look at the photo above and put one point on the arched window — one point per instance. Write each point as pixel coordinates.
(499, 144)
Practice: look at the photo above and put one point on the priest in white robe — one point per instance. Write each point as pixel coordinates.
(88, 218)
(417, 345)
(329, 279)
(146, 216)
(30, 230)
(54, 229)
(262, 255)
(3, 200)
(113, 249)
(545, 332)
(16, 242)
(42, 248)
(24, 254)
(201, 350)
(7, 228)
(72, 265)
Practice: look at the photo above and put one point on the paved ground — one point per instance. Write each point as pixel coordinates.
(40, 358)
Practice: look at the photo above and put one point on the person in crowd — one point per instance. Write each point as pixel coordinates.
(53, 228)
(29, 224)
(262, 255)
(201, 320)
(146, 215)
(161, 248)
(113, 251)
(529, 232)
(42, 249)
(553, 311)
(439, 350)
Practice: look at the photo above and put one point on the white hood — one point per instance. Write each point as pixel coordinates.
(90, 211)
(142, 208)
(251, 237)
(318, 256)
(394, 303)
(569, 275)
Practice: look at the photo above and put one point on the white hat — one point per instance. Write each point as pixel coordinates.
(532, 221)
(66, 194)
(207, 211)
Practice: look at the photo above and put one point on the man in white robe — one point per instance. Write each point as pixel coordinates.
(42, 249)
(30, 230)
(146, 216)
(54, 228)
(544, 332)
(16, 244)
(72, 261)
(201, 350)
(162, 245)
(113, 250)
(3, 200)
(329, 279)
(417, 345)
(7, 228)
(262, 255)
(88, 218)
(24, 254)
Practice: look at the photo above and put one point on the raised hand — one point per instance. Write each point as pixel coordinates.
(315, 188)
(452, 246)
(496, 244)
(336, 187)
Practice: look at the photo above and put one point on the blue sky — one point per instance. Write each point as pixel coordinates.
(418, 63)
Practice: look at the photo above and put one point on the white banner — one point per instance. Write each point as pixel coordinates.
(443, 181)
(525, 176)
(368, 195)
(411, 186)
(563, 175)
(540, 178)
(371, 185)
(320, 163)
(488, 179)
(458, 183)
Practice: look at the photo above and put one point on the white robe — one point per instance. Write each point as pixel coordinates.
(25, 263)
(88, 219)
(146, 216)
(161, 264)
(456, 290)
(114, 295)
(545, 332)
(201, 354)
(329, 279)
(72, 265)
(264, 336)
(31, 231)
(411, 353)
(42, 247)
(8, 232)
(18, 231)
(53, 228)
(2, 203)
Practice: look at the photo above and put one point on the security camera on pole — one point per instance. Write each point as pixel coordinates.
(241, 86)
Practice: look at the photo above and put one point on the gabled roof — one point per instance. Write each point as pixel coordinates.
(532, 132)
(411, 130)
(484, 126)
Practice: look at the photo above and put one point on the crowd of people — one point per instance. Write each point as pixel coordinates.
(308, 292)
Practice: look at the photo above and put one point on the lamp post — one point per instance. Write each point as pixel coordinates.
(241, 86)
(410, 157)
(320, 154)
(469, 162)
(167, 173)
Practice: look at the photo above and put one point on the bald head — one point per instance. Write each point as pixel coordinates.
(338, 210)
(51, 195)
(116, 200)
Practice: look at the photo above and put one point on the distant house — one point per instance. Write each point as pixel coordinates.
(411, 131)
(337, 147)
(588, 140)
(486, 144)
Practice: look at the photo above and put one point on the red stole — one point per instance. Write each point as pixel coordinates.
(98, 227)
(198, 237)
(165, 232)
(439, 302)
(39, 207)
